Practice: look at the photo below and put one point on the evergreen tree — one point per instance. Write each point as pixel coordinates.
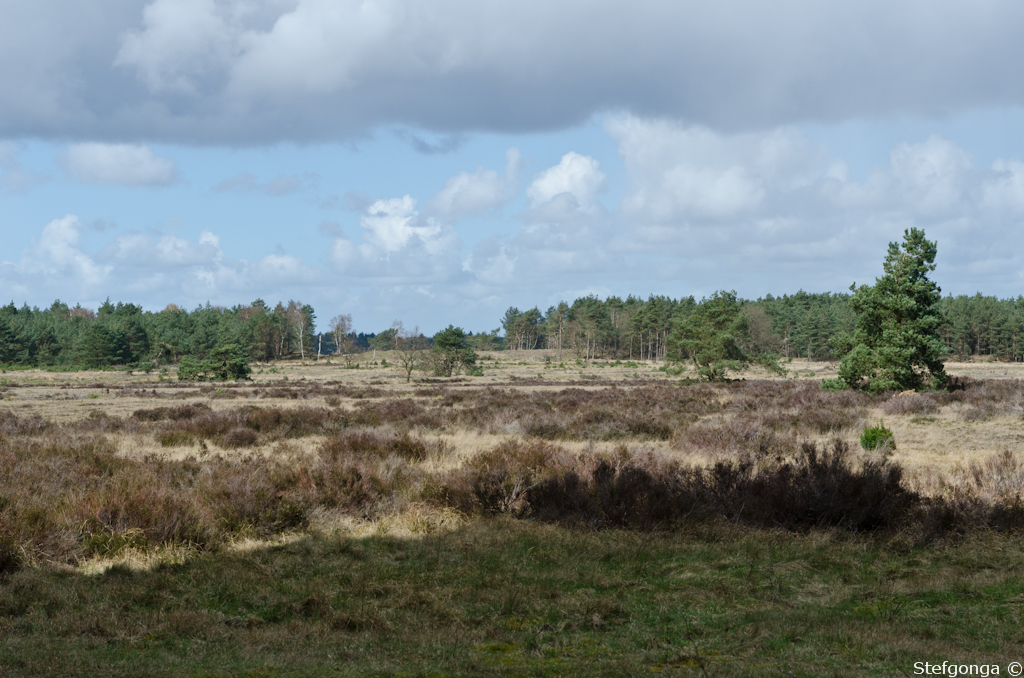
(451, 352)
(712, 336)
(896, 344)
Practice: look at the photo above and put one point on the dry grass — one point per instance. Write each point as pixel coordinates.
(231, 495)
(204, 471)
(168, 461)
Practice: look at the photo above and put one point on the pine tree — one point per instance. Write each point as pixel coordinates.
(896, 345)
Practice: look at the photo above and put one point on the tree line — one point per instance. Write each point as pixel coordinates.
(123, 334)
(801, 325)
(211, 342)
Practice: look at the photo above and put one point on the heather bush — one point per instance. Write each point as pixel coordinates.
(819, 487)
(175, 438)
(366, 472)
(914, 403)
(738, 436)
(497, 481)
(67, 496)
(379, 445)
(239, 437)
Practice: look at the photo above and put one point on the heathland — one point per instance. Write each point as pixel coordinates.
(544, 517)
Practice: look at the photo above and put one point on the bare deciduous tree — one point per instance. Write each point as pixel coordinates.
(397, 334)
(411, 347)
(299, 321)
(341, 325)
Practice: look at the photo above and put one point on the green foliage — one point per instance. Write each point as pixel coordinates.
(451, 352)
(833, 384)
(712, 336)
(801, 325)
(224, 363)
(875, 437)
(385, 341)
(896, 345)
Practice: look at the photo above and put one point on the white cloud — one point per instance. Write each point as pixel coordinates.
(398, 243)
(120, 164)
(181, 40)
(467, 195)
(1004, 192)
(682, 172)
(759, 209)
(57, 252)
(572, 185)
(934, 175)
(389, 224)
(149, 268)
(320, 46)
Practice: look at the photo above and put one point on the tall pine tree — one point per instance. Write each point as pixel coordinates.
(896, 344)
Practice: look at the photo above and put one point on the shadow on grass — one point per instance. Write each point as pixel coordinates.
(507, 597)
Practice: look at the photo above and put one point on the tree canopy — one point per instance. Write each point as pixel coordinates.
(452, 352)
(716, 337)
(897, 344)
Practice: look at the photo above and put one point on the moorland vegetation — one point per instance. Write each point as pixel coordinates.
(548, 519)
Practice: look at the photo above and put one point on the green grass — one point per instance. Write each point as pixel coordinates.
(517, 598)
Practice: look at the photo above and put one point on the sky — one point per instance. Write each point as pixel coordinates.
(438, 162)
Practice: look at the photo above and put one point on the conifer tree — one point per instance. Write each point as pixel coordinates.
(896, 345)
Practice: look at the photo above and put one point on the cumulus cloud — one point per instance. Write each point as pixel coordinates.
(768, 207)
(56, 254)
(118, 164)
(679, 172)
(180, 42)
(228, 71)
(151, 268)
(568, 188)
(467, 195)
(282, 184)
(397, 243)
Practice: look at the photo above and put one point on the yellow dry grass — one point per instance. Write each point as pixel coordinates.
(938, 443)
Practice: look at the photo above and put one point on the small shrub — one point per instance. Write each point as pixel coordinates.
(175, 438)
(875, 437)
(911, 403)
(367, 444)
(239, 437)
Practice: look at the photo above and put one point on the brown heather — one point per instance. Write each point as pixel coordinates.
(649, 456)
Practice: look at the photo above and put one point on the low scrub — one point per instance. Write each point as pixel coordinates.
(67, 493)
(819, 487)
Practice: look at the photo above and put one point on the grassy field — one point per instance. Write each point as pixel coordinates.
(602, 519)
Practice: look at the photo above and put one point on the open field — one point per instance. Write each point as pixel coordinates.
(546, 518)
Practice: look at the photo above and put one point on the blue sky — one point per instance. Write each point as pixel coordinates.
(436, 163)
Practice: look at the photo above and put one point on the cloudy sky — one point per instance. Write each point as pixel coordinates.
(437, 162)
